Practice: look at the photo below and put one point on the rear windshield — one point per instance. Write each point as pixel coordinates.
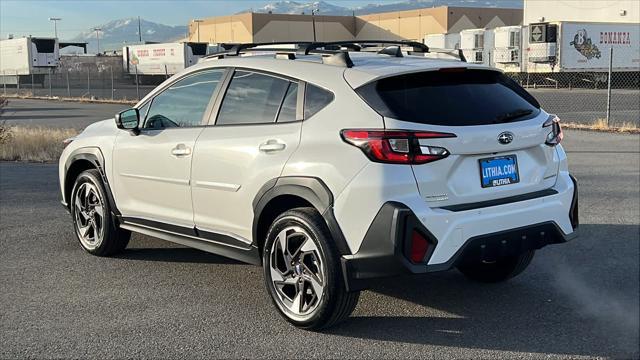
(456, 97)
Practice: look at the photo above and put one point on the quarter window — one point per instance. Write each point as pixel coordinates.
(183, 103)
(315, 100)
(252, 98)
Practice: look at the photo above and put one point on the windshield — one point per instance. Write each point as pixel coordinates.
(451, 97)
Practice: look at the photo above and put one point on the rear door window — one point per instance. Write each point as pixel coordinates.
(456, 97)
(289, 104)
(252, 98)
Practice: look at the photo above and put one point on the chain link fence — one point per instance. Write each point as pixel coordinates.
(87, 77)
(575, 96)
(601, 85)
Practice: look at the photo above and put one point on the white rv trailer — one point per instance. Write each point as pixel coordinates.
(28, 59)
(150, 61)
(477, 45)
(507, 49)
(443, 41)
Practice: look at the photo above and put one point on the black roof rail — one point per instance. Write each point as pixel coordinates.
(235, 49)
(334, 52)
(357, 45)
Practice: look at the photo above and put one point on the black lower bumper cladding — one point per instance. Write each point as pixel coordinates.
(384, 249)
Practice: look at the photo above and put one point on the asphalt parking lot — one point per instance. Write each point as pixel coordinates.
(578, 299)
(57, 114)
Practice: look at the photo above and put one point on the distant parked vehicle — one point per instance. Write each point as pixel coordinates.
(27, 60)
(155, 62)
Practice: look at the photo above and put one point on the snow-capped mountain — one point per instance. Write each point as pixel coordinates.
(114, 34)
(325, 8)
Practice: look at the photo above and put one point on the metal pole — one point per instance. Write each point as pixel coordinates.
(166, 73)
(68, 87)
(50, 95)
(137, 83)
(112, 89)
(33, 92)
(4, 82)
(139, 31)
(313, 22)
(18, 82)
(609, 86)
(89, 83)
(98, 38)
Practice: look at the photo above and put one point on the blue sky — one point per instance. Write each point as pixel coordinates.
(25, 17)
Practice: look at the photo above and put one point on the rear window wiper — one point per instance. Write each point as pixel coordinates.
(512, 115)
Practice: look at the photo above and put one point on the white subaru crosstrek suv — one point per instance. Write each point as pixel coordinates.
(331, 168)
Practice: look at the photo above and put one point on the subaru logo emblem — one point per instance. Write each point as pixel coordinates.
(505, 138)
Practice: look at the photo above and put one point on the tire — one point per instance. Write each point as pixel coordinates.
(93, 222)
(311, 269)
(502, 269)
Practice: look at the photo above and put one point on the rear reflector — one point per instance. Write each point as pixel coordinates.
(397, 146)
(419, 247)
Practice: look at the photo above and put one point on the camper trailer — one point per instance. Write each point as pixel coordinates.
(151, 62)
(507, 51)
(28, 60)
(443, 41)
(477, 45)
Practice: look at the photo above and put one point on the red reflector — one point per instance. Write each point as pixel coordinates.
(419, 247)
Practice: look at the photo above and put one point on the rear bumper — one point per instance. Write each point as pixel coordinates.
(384, 249)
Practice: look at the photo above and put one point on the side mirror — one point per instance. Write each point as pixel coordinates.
(128, 120)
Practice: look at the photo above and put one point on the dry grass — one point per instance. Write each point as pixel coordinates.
(39, 144)
(601, 125)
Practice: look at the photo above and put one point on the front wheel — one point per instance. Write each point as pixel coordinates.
(302, 271)
(94, 226)
(499, 270)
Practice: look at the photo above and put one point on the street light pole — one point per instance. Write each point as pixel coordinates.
(198, 21)
(55, 25)
(313, 21)
(98, 37)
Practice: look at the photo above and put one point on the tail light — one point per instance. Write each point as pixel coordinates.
(419, 247)
(555, 135)
(397, 146)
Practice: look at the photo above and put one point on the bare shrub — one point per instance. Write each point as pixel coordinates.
(32, 144)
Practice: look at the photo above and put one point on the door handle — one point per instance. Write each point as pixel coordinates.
(272, 146)
(181, 150)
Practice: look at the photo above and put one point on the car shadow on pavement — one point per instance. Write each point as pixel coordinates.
(172, 254)
(571, 300)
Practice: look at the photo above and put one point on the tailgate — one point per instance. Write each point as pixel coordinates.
(476, 154)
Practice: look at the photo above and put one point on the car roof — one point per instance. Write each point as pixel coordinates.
(367, 67)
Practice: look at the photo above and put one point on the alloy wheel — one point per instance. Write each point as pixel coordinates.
(89, 214)
(297, 272)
